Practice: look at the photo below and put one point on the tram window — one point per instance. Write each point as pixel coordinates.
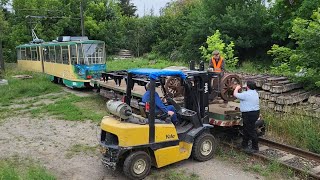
(65, 54)
(23, 54)
(52, 54)
(94, 53)
(100, 55)
(73, 54)
(34, 56)
(58, 54)
(46, 54)
(28, 53)
(80, 54)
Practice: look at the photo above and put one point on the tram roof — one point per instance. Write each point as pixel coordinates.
(59, 43)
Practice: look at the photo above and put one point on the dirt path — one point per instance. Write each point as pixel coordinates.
(52, 142)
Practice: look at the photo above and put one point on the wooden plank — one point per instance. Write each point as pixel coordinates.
(285, 87)
(260, 81)
(293, 99)
(261, 94)
(283, 82)
(273, 97)
(267, 95)
(276, 79)
(271, 105)
(267, 86)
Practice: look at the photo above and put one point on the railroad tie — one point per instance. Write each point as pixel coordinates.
(287, 157)
(316, 170)
(263, 148)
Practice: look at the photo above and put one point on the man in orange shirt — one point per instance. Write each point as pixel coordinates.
(217, 66)
(217, 63)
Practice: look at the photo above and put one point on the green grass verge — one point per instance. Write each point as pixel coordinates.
(298, 130)
(141, 63)
(16, 168)
(270, 170)
(22, 88)
(75, 108)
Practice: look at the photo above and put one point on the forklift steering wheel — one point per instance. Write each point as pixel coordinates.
(172, 102)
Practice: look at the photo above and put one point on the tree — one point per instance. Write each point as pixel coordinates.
(3, 28)
(128, 9)
(306, 55)
(283, 12)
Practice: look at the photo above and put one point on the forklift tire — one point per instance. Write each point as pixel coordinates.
(204, 147)
(137, 165)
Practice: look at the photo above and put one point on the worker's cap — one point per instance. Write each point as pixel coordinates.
(216, 52)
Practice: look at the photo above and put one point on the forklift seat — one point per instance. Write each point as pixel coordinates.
(142, 108)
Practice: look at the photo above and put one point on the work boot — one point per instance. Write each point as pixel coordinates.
(240, 146)
(176, 123)
(250, 151)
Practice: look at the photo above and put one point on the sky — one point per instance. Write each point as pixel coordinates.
(144, 6)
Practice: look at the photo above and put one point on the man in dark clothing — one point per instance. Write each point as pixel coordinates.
(249, 106)
(160, 107)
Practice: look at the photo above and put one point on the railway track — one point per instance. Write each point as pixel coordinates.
(294, 158)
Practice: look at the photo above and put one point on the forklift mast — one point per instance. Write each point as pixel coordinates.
(197, 93)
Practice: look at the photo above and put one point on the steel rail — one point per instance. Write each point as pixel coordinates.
(293, 150)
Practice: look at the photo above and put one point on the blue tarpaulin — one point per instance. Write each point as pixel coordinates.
(156, 73)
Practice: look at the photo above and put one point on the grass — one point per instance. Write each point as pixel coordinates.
(175, 175)
(74, 108)
(270, 170)
(140, 63)
(298, 130)
(80, 148)
(231, 154)
(16, 168)
(252, 67)
(4, 113)
(19, 88)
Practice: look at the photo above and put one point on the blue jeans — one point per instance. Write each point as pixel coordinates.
(174, 118)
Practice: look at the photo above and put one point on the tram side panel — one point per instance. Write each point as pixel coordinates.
(29, 58)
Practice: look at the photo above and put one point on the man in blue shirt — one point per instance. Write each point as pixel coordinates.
(160, 107)
(249, 106)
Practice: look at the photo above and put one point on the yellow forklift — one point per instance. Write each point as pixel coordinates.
(136, 142)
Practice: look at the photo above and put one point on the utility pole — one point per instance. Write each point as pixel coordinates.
(82, 19)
